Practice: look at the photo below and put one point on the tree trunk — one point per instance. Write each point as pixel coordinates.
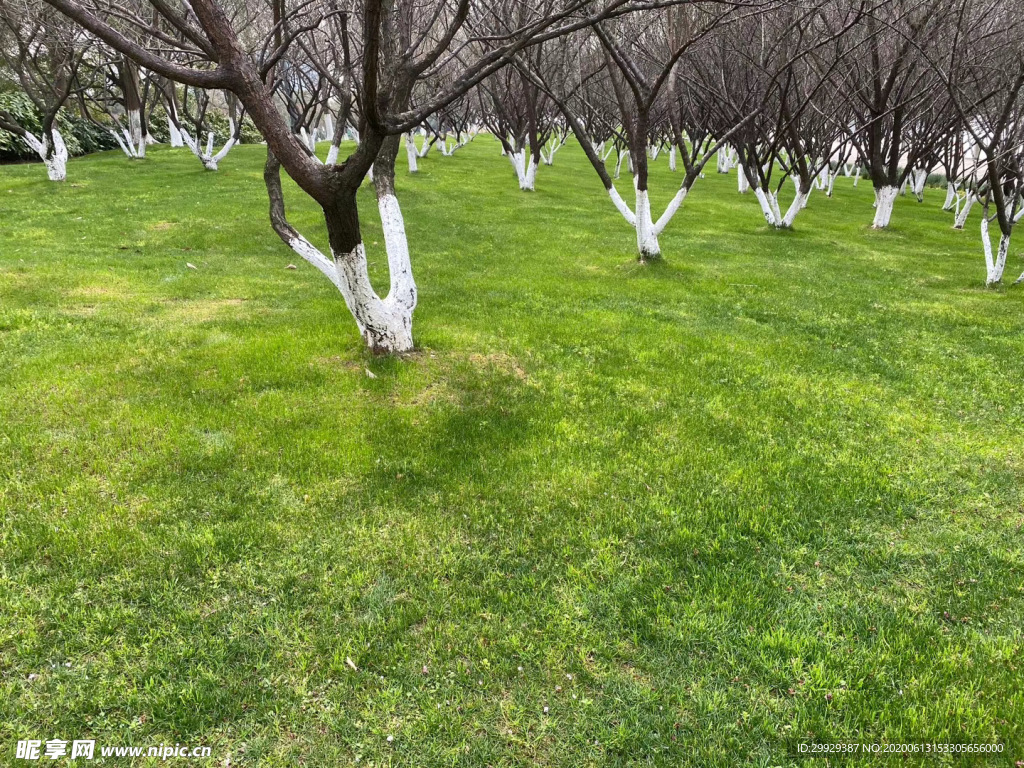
(965, 210)
(385, 324)
(950, 196)
(646, 236)
(526, 169)
(411, 154)
(52, 151)
(994, 266)
(885, 198)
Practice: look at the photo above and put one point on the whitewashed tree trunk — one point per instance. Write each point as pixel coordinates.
(885, 199)
(646, 236)
(135, 127)
(385, 324)
(994, 265)
(918, 180)
(209, 160)
(622, 157)
(411, 153)
(801, 195)
(647, 230)
(950, 196)
(965, 210)
(798, 204)
(332, 155)
(54, 157)
(767, 209)
(425, 146)
(175, 134)
(741, 179)
(526, 169)
(672, 159)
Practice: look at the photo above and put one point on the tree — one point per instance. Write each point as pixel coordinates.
(984, 74)
(43, 56)
(397, 41)
(888, 86)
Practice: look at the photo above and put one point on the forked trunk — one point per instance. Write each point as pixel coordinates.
(994, 265)
(385, 324)
(965, 210)
(526, 169)
(52, 151)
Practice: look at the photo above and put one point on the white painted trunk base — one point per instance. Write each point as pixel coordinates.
(950, 196)
(642, 221)
(385, 324)
(135, 127)
(210, 161)
(994, 265)
(646, 237)
(885, 199)
(55, 157)
(965, 209)
(411, 154)
(771, 211)
(526, 169)
(918, 179)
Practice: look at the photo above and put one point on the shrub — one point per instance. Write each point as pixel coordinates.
(80, 135)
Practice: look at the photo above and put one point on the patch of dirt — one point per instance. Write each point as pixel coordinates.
(201, 310)
(500, 361)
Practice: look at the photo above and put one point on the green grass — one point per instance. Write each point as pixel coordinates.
(765, 491)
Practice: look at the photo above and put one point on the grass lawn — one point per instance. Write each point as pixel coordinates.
(688, 514)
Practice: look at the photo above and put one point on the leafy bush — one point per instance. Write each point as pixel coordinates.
(80, 136)
(84, 137)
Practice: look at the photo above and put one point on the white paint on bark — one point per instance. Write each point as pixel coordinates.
(620, 204)
(135, 127)
(411, 154)
(54, 157)
(646, 237)
(209, 160)
(994, 265)
(965, 209)
(385, 324)
(673, 207)
(767, 209)
(526, 169)
(885, 198)
(950, 196)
